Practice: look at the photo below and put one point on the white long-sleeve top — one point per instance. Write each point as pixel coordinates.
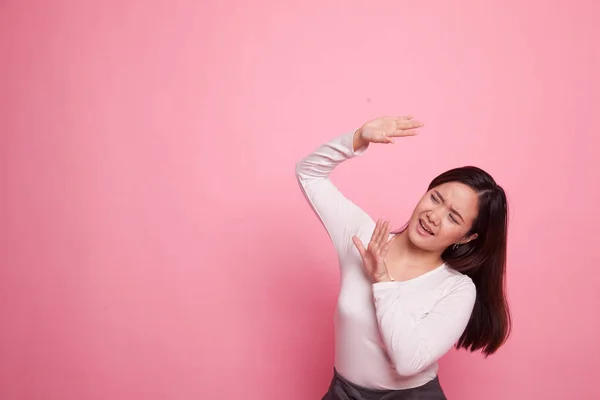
(388, 335)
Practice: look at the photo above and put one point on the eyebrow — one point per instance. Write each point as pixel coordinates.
(451, 208)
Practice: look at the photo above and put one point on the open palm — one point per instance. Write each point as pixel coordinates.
(373, 256)
(385, 129)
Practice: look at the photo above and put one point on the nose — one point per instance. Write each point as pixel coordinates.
(433, 218)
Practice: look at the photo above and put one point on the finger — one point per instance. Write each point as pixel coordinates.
(380, 234)
(408, 124)
(386, 233)
(377, 232)
(359, 246)
(386, 247)
(403, 132)
(383, 239)
(363, 253)
(374, 246)
(375, 235)
(405, 117)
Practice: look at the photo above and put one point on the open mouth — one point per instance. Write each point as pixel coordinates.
(425, 227)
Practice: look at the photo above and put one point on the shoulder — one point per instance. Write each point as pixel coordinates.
(457, 282)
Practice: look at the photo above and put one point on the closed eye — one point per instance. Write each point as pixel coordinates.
(437, 198)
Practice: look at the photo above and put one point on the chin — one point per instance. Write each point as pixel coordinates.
(420, 241)
(415, 238)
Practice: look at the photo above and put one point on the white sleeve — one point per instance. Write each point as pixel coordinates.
(414, 341)
(341, 217)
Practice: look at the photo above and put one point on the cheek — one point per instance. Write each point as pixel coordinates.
(452, 232)
(420, 207)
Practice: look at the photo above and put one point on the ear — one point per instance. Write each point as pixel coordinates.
(468, 239)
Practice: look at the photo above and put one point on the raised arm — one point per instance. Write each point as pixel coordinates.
(341, 217)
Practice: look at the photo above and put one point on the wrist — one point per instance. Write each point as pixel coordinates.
(358, 141)
(382, 278)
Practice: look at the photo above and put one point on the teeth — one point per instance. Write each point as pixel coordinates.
(425, 228)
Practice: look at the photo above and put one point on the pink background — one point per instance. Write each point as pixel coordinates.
(155, 244)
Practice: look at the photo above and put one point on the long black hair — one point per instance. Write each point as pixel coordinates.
(483, 259)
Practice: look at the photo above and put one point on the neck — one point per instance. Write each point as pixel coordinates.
(410, 256)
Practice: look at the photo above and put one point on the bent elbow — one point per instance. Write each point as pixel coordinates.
(304, 173)
(298, 169)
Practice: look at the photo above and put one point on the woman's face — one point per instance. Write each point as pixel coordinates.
(443, 217)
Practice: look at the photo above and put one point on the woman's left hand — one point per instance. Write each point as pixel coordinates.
(373, 256)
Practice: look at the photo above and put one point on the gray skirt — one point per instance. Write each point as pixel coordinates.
(341, 389)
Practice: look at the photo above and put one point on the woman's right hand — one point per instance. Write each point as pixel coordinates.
(385, 129)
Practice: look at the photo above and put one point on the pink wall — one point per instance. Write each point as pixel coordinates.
(155, 244)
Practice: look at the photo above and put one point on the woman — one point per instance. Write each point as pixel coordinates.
(407, 297)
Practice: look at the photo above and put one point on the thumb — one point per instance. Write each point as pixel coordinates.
(359, 246)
